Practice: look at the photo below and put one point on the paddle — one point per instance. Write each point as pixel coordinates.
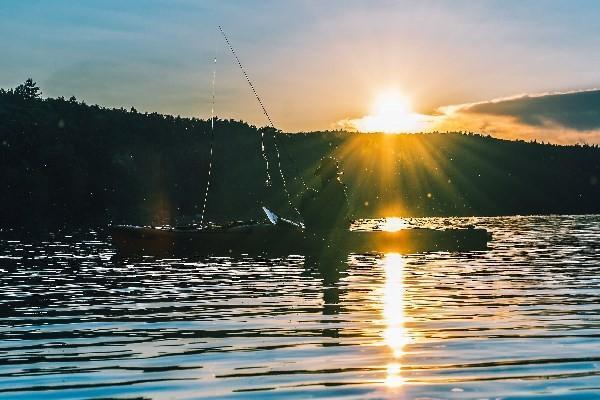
(277, 220)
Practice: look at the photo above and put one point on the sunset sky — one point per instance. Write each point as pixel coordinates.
(514, 69)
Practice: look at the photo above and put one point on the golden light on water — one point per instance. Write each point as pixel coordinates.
(395, 335)
(394, 375)
(393, 224)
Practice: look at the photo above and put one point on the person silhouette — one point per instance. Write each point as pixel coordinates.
(325, 209)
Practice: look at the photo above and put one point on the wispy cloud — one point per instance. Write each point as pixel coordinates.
(559, 117)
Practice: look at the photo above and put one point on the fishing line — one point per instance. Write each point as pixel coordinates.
(276, 146)
(262, 132)
(212, 137)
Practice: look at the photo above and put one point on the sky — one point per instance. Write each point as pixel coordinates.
(514, 69)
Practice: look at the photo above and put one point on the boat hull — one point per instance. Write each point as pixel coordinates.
(277, 240)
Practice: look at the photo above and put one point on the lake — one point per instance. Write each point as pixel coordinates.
(521, 320)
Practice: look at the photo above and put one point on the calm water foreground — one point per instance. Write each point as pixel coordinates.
(521, 320)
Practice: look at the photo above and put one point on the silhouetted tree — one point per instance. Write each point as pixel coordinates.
(67, 163)
(28, 90)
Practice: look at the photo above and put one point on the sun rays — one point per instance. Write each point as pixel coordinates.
(411, 175)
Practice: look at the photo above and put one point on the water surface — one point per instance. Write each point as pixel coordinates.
(521, 320)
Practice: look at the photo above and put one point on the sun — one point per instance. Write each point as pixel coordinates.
(391, 113)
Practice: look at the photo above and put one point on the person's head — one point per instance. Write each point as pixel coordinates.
(328, 169)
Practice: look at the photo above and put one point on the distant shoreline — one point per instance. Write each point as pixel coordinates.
(66, 163)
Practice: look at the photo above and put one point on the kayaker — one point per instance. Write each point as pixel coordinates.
(325, 208)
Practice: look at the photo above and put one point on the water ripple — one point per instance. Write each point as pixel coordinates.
(518, 321)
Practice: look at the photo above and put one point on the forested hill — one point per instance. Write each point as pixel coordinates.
(65, 163)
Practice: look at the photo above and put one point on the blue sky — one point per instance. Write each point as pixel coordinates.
(313, 62)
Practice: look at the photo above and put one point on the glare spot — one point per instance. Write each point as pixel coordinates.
(393, 224)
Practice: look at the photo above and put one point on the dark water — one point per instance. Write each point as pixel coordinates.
(521, 320)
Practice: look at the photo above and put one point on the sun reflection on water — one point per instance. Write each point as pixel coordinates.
(395, 335)
(393, 224)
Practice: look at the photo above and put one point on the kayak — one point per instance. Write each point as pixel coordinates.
(270, 239)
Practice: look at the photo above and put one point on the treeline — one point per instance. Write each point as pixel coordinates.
(65, 163)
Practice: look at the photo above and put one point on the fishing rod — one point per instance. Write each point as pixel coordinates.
(264, 110)
(212, 140)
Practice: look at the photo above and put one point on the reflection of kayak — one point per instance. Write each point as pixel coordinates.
(288, 239)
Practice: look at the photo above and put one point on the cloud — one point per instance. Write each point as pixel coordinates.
(576, 110)
(564, 118)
